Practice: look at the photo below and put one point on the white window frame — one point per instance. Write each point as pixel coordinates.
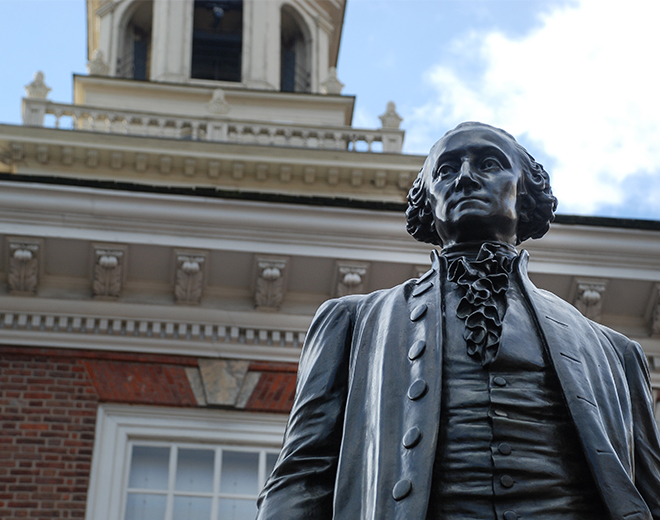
(117, 425)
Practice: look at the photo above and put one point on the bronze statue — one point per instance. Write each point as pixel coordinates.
(468, 393)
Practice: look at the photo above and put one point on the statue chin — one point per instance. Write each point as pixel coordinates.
(471, 227)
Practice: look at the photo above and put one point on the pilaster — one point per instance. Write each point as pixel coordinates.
(171, 41)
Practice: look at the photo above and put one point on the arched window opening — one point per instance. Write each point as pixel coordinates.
(217, 40)
(135, 51)
(295, 55)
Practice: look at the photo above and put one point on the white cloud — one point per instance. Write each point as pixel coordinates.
(584, 88)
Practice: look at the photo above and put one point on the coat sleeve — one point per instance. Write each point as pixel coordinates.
(646, 439)
(302, 483)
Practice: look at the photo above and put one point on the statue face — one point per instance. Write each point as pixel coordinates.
(473, 187)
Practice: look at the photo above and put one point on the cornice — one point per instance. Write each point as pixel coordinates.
(234, 93)
(120, 327)
(239, 225)
(175, 162)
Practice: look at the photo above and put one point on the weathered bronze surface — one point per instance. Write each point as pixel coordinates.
(468, 393)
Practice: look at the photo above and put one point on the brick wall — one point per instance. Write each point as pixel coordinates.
(47, 417)
(48, 404)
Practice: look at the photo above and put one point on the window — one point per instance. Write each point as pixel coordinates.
(159, 463)
(295, 68)
(217, 40)
(135, 54)
(195, 482)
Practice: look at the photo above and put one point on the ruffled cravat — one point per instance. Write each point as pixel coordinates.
(483, 282)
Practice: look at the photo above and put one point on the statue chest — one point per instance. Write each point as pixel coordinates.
(506, 442)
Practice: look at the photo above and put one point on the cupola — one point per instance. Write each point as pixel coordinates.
(281, 45)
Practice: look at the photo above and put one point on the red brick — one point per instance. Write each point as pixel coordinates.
(274, 392)
(22, 504)
(35, 424)
(38, 395)
(144, 383)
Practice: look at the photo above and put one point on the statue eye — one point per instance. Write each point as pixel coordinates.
(447, 169)
(490, 164)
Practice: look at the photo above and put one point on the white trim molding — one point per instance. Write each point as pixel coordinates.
(117, 425)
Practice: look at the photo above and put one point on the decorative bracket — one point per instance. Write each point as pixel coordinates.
(589, 297)
(351, 277)
(24, 259)
(108, 271)
(189, 277)
(270, 282)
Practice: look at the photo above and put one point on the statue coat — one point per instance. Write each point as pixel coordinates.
(343, 457)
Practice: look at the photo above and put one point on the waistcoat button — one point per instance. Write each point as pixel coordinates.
(418, 312)
(499, 381)
(417, 349)
(504, 448)
(510, 515)
(401, 489)
(417, 389)
(506, 481)
(412, 437)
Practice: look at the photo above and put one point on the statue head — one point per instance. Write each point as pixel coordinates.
(478, 184)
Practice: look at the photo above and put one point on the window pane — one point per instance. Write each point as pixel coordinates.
(217, 40)
(194, 470)
(271, 458)
(145, 507)
(239, 473)
(234, 509)
(149, 468)
(192, 508)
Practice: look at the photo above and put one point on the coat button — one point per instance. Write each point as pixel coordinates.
(412, 437)
(417, 349)
(504, 448)
(421, 289)
(417, 389)
(499, 381)
(510, 515)
(506, 481)
(418, 312)
(402, 489)
(425, 276)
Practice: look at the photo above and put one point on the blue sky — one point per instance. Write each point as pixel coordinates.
(574, 80)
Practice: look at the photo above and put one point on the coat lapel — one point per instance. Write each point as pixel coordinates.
(579, 361)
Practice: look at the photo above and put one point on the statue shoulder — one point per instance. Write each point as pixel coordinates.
(356, 302)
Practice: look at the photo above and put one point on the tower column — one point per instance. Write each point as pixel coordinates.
(171, 44)
(261, 44)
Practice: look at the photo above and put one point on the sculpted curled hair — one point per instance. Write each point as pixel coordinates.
(536, 204)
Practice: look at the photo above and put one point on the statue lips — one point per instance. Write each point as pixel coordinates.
(468, 200)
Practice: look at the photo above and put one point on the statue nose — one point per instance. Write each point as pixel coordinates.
(466, 177)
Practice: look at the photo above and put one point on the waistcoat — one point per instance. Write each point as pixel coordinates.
(507, 447)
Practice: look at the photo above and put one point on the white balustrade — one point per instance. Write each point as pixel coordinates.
(219, 129)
